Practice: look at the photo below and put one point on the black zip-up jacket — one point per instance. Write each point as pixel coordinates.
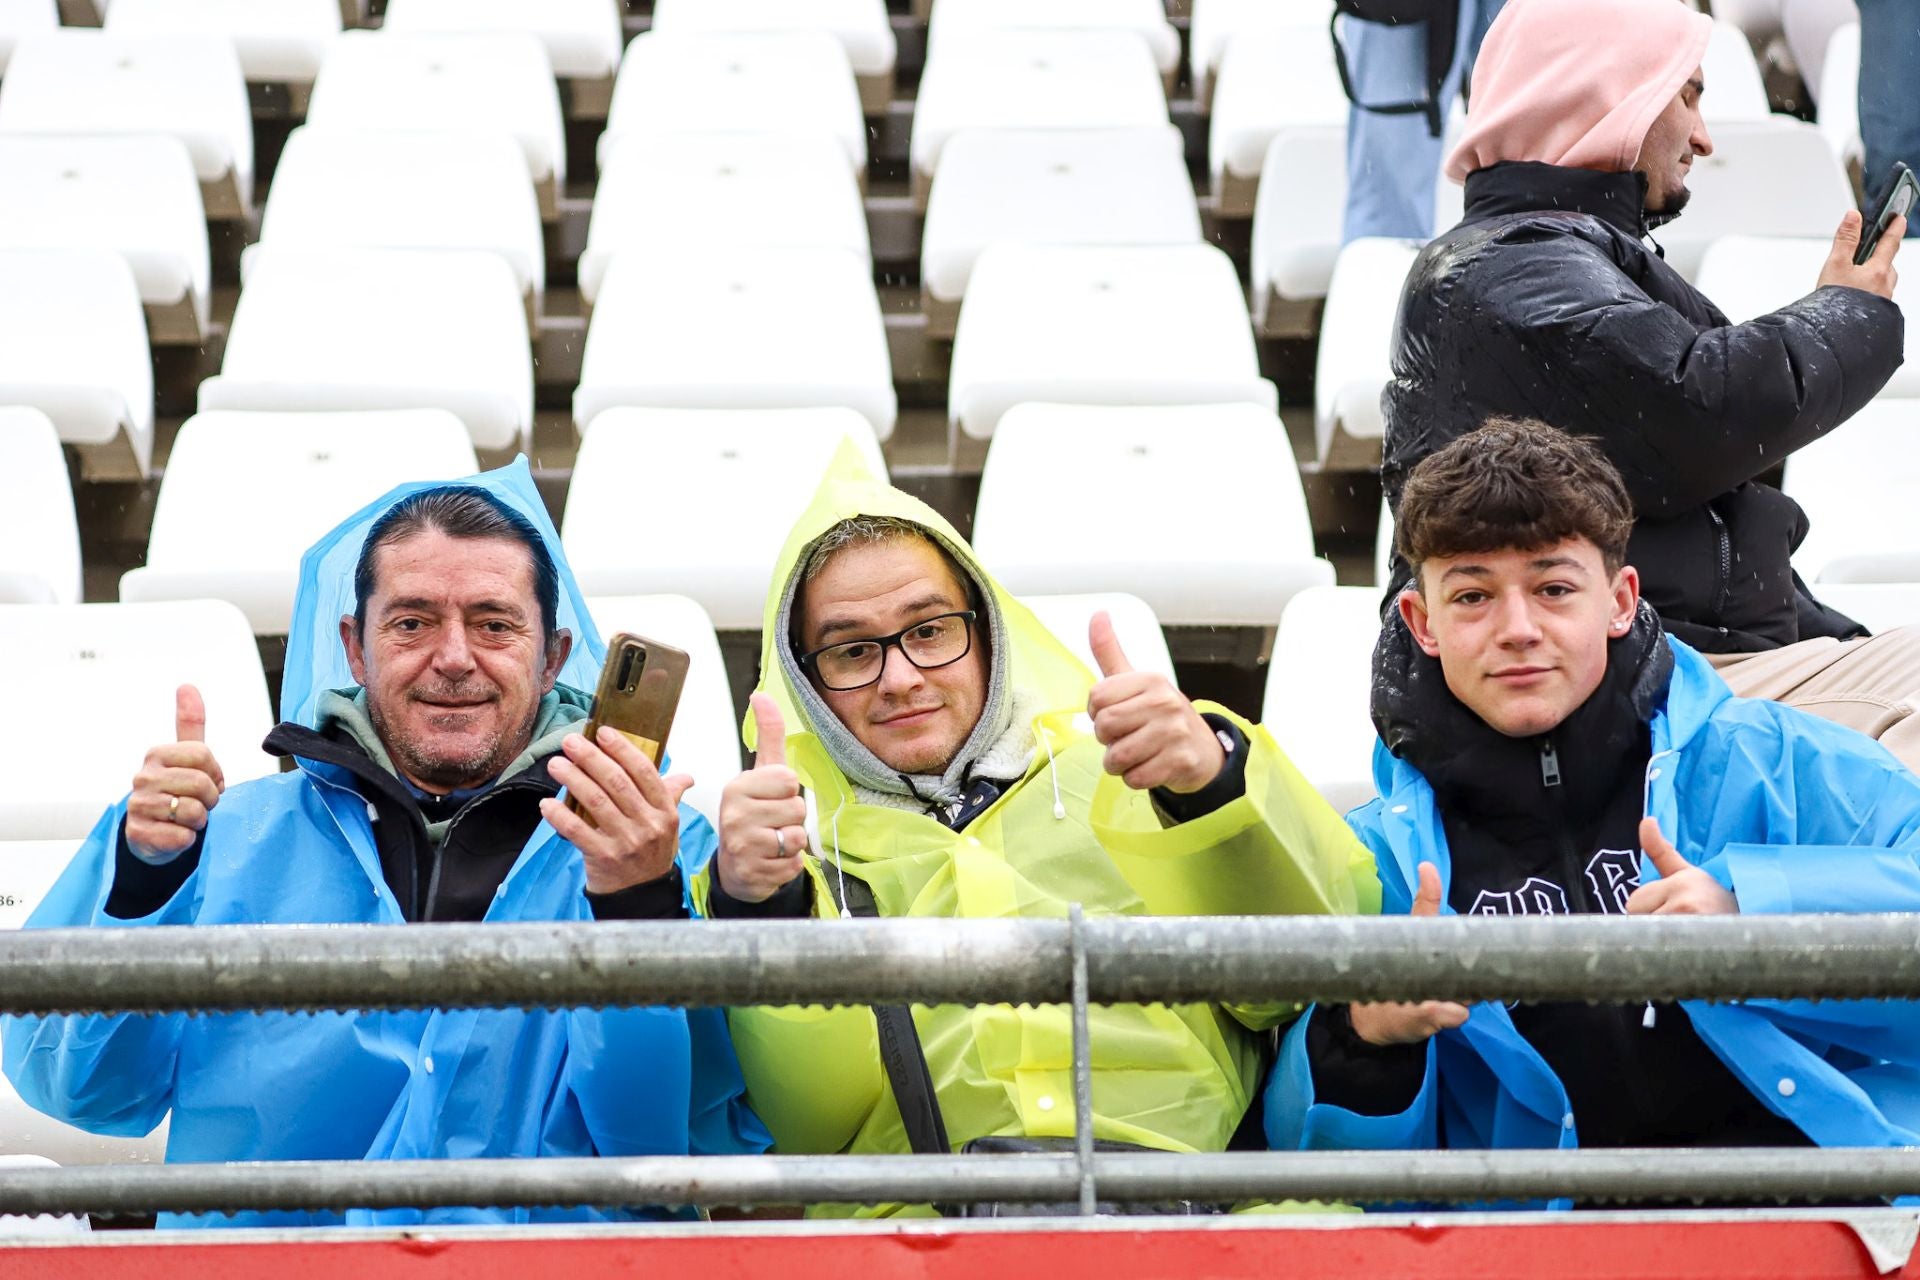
(1547, 302)
(1549, 825)
(457, 882)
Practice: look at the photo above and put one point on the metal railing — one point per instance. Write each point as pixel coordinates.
(1076, 962)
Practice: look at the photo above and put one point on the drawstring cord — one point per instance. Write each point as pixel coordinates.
(1053, 774)
(1646, 809)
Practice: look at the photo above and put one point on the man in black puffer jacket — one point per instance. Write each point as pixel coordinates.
(1547, 301)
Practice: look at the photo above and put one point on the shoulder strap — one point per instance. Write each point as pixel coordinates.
(900, 1049)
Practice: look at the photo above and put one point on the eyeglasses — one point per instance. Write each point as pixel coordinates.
(855, 664)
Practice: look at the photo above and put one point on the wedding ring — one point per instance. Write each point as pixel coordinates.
(173, 808)
(780, 834)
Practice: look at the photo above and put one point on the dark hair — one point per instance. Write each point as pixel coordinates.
(459, 511)
(865, 530)
(1513, 484)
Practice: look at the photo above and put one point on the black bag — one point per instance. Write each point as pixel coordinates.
(1442, 19)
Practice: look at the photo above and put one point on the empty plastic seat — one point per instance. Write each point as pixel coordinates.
(503, 83)
(96, 682)
(1748, 276)
(245, 494)
(957, 20)
(779, 82)
(278, 41)
(1065, 497)
(861, 26)
(1878, 606)
(134, 194)
(26, 1131)
(1860, 485)
(721, 490)
(1356, 351)
(1216, 22)
(1735, 91)
(188, 85)
(73, 344)
(747, 329)
(1141, 639)
(705, 738)
(382, 329)
(1084, 186)
(728, 191)
(343, 189)
(1106, 326)
(1774, 179)
(582, 37)
(1839, 95)
(23, 17)
(1269, 80)
(1032, 80)
(39, 536)
(1319, 690)
(1297, 224)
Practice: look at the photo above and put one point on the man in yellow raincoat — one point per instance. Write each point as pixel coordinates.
(964, 763)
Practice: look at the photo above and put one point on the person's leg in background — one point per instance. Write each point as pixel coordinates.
(1393, 161)
(1889, 111)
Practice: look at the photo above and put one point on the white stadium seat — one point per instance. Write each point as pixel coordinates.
(1774, 179)
(188, 85)
(382, 329)
(778, 82)
(501, 83)
(39, 536)
(245, 494)
(1319, 690)
(1107, 326)
(28, 869)
(1839, 96)
(1227, 542)
(1297, 221)
(1080, 186)
(1134, 624)
(1748, 276)
(1269, 80)
(393, 189)
(135, 194)
(861, 26)
(26, 1131)
(705, 738)
(97, 681)
(722, 489)
(956, 20)
(582, 37)
(1216, 23)
(1878, 606)
(742, 329)
(1860, 485)
(23, 17)
(278, 41)
(1032, 80)
(73, 343)
(1735, 91)
(727, 192)
(1356, 351)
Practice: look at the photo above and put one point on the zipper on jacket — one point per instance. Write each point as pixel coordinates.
(446, 840)
(1725, 544)
(1549, 764)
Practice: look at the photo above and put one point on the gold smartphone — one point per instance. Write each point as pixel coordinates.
(638, 694)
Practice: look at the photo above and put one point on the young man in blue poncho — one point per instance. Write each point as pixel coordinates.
(1547, 749)
(433, 701)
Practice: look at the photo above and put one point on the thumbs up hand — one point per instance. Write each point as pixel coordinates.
(763, 833)
(1385, 1024)
(1682, 889)
(1153, 736)
(178, 784)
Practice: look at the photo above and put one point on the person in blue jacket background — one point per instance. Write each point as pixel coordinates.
(432, 704)
(1546, 749)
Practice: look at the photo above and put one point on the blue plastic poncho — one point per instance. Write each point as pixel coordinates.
(298, 848)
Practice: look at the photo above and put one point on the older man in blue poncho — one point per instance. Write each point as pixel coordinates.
(433, 702)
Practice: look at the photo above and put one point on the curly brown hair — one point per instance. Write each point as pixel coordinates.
(1514, 483)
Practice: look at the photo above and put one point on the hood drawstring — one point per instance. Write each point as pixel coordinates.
(839, 866)
(1648, 1018)
(1053, 775)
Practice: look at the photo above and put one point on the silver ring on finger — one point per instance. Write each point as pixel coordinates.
(173, 808)
(780, 838)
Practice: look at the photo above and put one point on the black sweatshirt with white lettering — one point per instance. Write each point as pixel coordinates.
(1548, 825)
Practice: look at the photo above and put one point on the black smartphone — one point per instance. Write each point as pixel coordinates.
(1900, 202)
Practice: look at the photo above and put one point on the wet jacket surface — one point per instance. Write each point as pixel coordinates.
(1168, 1077)
(1546, 302)
(1791, 814)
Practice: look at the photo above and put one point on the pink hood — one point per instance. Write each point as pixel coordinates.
(1577, 83)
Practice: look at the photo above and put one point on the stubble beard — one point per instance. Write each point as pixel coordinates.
(440, 769)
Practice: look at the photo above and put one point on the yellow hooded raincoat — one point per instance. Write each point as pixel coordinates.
(1175, 1078)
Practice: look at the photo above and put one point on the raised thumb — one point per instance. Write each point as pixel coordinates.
(1105, 644)
(1426, 900)
(189, 715)
(1660, 851)
(770, 731)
